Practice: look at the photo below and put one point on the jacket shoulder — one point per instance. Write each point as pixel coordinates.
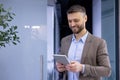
(67, 37)
(95, 38)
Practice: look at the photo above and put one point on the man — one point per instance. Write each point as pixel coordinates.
(88, 54)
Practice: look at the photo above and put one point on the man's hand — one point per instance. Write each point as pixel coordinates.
(60, 67)
(74, 66)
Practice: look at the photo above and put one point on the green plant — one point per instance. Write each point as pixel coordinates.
(8, 33)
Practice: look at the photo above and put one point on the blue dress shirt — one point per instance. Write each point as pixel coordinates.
(75, 53)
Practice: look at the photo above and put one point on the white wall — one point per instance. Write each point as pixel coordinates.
(97, 17)
(50, 42)
(22, 62)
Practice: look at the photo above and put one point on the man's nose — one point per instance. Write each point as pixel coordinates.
(72, 23)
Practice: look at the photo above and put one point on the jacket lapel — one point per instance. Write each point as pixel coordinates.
(68, 43)
(86, 47)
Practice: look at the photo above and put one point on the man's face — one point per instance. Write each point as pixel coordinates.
(76, 21)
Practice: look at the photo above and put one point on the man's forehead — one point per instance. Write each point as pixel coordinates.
(74, 15)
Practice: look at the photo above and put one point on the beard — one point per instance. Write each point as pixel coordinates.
(77, 29)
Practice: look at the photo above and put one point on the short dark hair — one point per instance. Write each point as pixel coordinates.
(76, 8)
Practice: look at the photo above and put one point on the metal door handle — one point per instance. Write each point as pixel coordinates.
(41, 67)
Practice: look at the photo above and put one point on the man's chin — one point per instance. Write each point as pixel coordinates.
(75, 32)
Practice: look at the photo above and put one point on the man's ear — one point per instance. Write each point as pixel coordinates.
(85, 18)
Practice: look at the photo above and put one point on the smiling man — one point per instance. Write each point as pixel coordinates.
(88, 54)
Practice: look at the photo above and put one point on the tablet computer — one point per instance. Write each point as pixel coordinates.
(61, 59)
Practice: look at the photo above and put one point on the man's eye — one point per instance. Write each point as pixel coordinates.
(76, 20)
(69, 21)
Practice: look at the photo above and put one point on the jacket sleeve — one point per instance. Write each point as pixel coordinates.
(103, 67)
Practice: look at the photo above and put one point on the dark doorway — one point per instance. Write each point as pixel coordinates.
(63, 5)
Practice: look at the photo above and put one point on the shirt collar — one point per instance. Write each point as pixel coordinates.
(82, 39)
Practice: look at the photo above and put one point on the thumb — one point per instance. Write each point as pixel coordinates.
(72, 62)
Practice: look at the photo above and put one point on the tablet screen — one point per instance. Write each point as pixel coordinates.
(61, 59)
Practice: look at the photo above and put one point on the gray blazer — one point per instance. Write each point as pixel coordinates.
(94, 56)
